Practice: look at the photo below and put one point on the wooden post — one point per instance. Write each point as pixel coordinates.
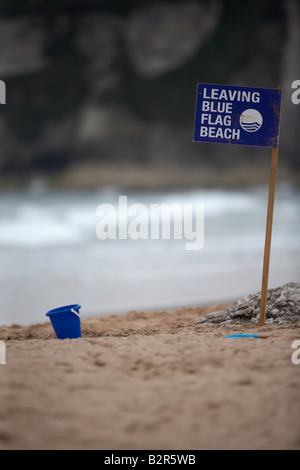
(265, 276)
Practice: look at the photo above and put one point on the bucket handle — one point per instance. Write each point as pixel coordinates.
(74, 311)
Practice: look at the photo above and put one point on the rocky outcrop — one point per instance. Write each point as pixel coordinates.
(117, 84)
(283, 308)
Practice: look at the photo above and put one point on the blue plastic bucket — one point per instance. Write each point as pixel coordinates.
(66, 321)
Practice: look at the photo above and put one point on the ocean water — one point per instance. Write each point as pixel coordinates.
(51, 256)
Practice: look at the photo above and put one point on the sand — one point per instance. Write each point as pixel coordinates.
(149, 381)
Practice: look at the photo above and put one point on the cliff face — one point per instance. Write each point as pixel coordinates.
(108, 83)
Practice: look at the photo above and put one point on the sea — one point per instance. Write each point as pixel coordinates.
(51, 255)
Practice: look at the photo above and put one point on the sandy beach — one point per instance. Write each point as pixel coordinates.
(150, 381)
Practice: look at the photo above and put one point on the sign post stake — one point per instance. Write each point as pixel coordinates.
(265, 275)
(269, 224)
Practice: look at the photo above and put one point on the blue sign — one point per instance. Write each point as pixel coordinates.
(237, 115)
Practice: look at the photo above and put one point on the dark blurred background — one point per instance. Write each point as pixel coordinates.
(103, 92)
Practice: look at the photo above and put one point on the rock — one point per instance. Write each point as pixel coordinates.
(21, 46)
(214, 317)
(295, 298)
(97, 39)
(274, 311)
(162, 36)
(279, 309)
(281, 301)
